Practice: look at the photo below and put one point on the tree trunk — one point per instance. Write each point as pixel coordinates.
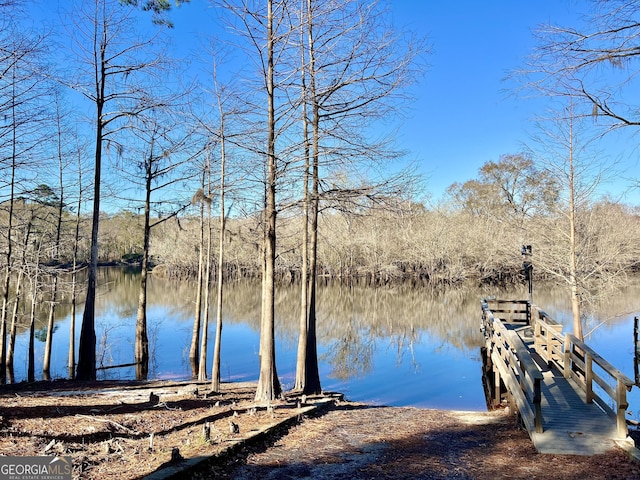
(194, 352)
(86, 369)
(18, 296)
(31, 367)
(14, 323)
(573, 267)
(7, 266)
(71, 363)
(54, 294)
(309, 381)
(301, 359)
(215, 370)
(268, 383)
(202, 367)
(142, 339)
(46, 362)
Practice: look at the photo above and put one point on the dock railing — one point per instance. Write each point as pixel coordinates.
(580, 363)
(515, 366)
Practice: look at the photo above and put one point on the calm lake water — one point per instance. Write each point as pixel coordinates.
(401, 345)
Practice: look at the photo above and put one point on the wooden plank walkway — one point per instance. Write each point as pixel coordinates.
(537, 368)
(570, 425)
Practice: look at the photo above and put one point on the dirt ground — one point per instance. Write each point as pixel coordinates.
(128, 430)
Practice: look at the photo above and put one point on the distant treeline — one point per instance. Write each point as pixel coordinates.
(437, 246)
(447, 244)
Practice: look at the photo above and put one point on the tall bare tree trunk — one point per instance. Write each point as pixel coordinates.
(7, 266)
(301, 359)
(31, 366)
(46, 366)
(194, 352)
(312, 380)
(6, 286)
(142, 339)
(307, 374)
(71, 362)
(215, 370)
(202, 366)
(268, 383)
(110, 57)
(573, 267)
(86, 368)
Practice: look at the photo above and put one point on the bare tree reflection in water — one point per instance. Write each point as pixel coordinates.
(400, 343)
(352, 355)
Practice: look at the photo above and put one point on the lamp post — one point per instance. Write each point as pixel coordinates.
(527, 268)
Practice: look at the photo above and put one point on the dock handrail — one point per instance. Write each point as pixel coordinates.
(510, 310)
(517, 368)
(575, 360)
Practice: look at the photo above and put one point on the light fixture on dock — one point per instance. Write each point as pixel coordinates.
(527, 268)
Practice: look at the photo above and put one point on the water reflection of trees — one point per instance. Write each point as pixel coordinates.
(605, 313)
(354, 321)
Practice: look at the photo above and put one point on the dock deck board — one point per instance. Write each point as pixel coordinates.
(570, 425)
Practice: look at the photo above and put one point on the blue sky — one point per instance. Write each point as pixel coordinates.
(464, 113)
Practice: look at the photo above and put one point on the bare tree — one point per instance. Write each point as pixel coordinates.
(219, 109)
(570, 250)
(194, 350)
(158, 139)
(355, 69)
(570, 61)
(59, 203)
(25, 226)
(21, 89)
(225, 112)
(567, 66)
(206, 283)
(266, 28)
(269, 386)
(115, 62)
(71, 361)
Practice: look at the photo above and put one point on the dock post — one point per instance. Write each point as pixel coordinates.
(588, 377)
(636, 350)
(621, 417)
(537, 404)
(567, 356)
(497, 391)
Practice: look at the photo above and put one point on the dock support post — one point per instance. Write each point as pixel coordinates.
(537, 404)
(636, 349)
(496, 387)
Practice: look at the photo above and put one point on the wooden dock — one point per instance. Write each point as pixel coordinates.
(571, 400)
